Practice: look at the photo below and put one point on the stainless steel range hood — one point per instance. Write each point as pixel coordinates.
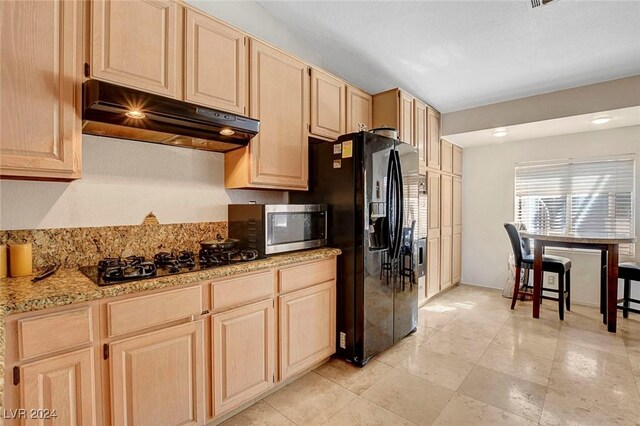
(120, 112)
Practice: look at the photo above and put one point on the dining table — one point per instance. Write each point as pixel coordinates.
(606, 244)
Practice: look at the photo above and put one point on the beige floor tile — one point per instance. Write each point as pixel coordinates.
(436, 315)
(533, 343)
(408, 396)
(361, 412)
(518, 363)
(259, 414)
(574, 361)
(399, 352)
(509, 393)
(354, 378)
(466, 348)
(567, 407)
(472, 329)
(310, 400)
(437, 368)
(602, 341)
(463, 410)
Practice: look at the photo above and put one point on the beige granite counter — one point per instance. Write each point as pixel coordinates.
(68, 286)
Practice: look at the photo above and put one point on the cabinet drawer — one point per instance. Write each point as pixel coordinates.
(298, 277)
(126, 316)
(50, 333)
(241, 290)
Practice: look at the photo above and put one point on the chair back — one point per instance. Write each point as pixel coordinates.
(517, 244)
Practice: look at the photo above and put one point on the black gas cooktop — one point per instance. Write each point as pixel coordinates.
(116, 270)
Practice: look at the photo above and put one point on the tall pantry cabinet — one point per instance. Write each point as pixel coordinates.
(444, 207)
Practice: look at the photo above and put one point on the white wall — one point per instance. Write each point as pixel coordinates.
(122, 181)
(488, 179)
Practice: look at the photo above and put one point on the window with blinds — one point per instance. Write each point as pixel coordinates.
(578, 197)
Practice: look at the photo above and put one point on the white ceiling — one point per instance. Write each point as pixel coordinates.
(623, 117)
(461, 54)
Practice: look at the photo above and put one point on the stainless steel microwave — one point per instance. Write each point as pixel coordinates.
(278, 228)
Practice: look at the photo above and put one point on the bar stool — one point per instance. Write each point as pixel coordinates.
(628, 272)
(524, 261)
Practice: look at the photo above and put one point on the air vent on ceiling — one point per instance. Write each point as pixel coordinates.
(538, 3)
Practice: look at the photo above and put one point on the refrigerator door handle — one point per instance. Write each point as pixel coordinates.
(400, 204)
(390, 177)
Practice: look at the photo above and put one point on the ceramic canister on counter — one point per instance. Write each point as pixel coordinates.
(3, 261)
(20, 260)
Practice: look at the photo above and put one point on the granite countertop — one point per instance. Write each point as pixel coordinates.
(67, 286)
(580, 238)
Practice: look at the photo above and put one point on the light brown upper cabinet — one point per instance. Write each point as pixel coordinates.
(328, 117)
(406, 118)
(279, 97)
(394, 108)
(457, 160)
(446, 157)
(420, 132)
(40, 91)
(433, 139)
(137, 43)
(359, 109)
(215, 64)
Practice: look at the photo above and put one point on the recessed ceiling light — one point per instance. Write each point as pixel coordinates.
(603, 119)
(226, 132)
(500, 132)
(134, 113)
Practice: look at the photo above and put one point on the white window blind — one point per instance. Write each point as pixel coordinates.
(578, 197)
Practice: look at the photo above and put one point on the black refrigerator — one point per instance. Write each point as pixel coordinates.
(370, 184)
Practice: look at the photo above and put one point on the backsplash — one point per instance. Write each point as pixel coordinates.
(73, 247)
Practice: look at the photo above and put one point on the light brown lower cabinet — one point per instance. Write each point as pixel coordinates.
(456, 258)
(158, 378)
(433, 266)
(307, 327)
(62, 386)
(156, 372)
(243, 354)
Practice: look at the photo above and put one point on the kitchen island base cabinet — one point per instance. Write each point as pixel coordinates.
(158, 378)
(62, 387)
(307, 327)
(243, 354)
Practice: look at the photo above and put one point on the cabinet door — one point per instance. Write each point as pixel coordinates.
(433, 136)
(457, 205)
(136, 43)
(359, 109)
(446, 230)
(456, 258)
(433, 266)
(243, 354)
(40, 77)
(64, 384)
(420, 132)
(406, 118)
(215, 64)
(433, 193)
(445, 261)
(158, 378)
(446, 156)
(457, 160)
(279, 98)
(307, 327)
(328, 116)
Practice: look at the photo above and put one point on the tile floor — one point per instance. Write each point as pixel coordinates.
(475, 362)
